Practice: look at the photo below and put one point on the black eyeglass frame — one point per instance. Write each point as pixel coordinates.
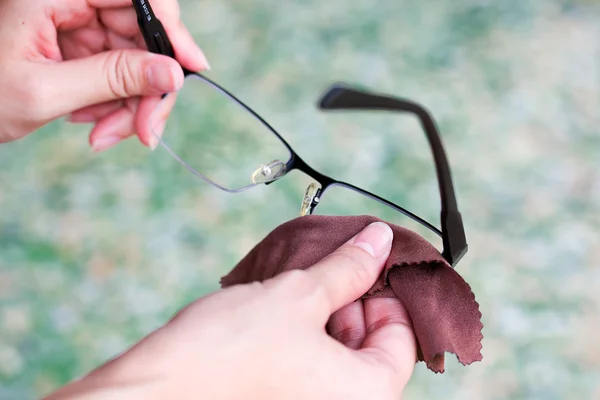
(341, 96)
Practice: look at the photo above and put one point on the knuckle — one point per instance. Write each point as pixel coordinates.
(296, 281)
(391, 321)
(299, 285)
(31, 97)
(121, 77)
(348, 334)
(358, 268)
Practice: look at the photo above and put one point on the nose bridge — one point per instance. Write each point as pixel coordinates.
(299, 164)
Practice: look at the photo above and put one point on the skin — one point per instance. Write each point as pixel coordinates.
(269, 340)
(303, 334)
(93, 51)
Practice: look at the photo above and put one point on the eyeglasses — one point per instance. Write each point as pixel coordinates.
(235, 138)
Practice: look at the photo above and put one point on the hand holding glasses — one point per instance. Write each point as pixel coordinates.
(235, 138)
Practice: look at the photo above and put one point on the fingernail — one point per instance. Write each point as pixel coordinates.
(157, 129)
(153, 143)
(202, 58)
(164, 78)
(154, 139)
(375, 239)
(104, 143)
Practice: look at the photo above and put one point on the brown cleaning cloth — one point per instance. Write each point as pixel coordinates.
(440, 303)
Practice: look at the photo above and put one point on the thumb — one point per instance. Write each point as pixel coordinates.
(350, 271)
(110, 75)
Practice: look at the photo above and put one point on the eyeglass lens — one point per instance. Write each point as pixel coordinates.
(218, 138)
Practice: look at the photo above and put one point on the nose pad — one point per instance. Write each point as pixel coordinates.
(311, 199)
(269, 172)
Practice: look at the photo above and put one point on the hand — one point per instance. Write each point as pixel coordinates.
(269, 341)
(87, 59)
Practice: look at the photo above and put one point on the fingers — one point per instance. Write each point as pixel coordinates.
(82, 42)
(151, 118)
(187, 51)
(114, 128)
(96, 112)
(108, 76)
(109, 3)
(122, 21)
(118, 120)
(148, 129)
(351, 270)
(146, 117)
(390, 336)
(98, 82)
(115, 41)
(348, 325)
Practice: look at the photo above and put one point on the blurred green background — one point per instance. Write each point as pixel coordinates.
(98, 250)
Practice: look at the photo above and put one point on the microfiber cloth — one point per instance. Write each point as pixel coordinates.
(441, 305)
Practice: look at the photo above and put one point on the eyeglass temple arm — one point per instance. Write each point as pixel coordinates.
(154, 32)
(152, 29)
(342, 97)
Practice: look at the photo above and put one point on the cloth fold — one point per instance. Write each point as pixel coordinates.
(441, 305)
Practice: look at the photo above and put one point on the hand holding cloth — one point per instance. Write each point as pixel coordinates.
(441, 305)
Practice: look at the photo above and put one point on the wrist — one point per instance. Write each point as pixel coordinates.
(83, 389)
(114, 380)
